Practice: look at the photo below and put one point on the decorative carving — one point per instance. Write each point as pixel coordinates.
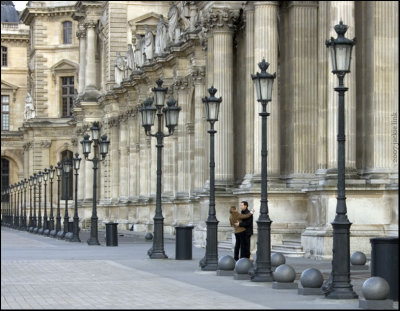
(45, 143)
(181, 83)
(173, 26)
(149, 44)
(198, 74)
(161, 37)
(74, 142)
(139, 50)
(119, 69)
(27, 146)
(29, 111)
(130, 61)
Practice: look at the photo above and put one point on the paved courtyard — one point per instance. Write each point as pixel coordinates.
(38, 272)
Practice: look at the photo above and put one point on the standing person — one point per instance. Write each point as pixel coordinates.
(239, 231)
(248, 225)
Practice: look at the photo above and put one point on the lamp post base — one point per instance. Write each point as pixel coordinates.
(93, 241)
(156, 254)
(265, 277)
(341, 293)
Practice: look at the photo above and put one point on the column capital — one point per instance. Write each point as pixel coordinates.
(90, 24)
(81, 33)
(180, 83)
(221, 19)
(198, 74)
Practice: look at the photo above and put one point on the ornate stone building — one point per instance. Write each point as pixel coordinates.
(98, 60)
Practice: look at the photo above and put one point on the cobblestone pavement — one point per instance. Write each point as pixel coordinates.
(38, 272)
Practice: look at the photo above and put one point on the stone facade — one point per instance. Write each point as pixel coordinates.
(220, 43)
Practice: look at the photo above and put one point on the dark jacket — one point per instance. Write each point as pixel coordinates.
(247, 223)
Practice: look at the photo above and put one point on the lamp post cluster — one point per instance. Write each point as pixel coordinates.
(338, 287)
(14, 212)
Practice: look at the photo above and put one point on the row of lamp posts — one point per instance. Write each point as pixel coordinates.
(339, 284)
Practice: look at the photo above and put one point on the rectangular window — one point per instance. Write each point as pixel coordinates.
(4, 60)
(5, 112)
(67, 95)
(67, 32)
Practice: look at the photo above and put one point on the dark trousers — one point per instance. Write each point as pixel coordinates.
(245, 245)
(237, 245)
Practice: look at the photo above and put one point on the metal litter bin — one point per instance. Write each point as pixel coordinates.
(385, 262)
(70, 226)
(112, 234)
(183, 247)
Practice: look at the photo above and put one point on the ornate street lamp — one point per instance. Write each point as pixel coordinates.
(101, 148)
(19, 206)
(24, 219)
(67, 166)
(39, 180)
(171, 114)
(263, 83)
(339, 286)
(75, 237)
(45, 228)
(210, 260)
(51, 222)
(57, 230)
(30, 229)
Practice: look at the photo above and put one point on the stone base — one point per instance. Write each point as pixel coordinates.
(280, 285)
(386, 304)
(225, 272)
(241, 276)
(359, 267)
(309, 291)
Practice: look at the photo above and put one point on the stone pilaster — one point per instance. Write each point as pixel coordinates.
(114, 159)
(266, 46)
(200, 131)
(133, 129)
(81, 34)
(342, 10)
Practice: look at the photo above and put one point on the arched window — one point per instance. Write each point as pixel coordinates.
(4, 56)
(5, 175)
(66, 189)
(67, 32)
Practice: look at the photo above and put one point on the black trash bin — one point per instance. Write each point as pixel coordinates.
(112, 234)
(183, 247)
(71, 226)
(385, 262)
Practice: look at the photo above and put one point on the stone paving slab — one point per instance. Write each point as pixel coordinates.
(39, 272)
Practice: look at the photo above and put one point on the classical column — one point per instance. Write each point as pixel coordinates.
(200, 160)
(302, 99)
(181, 85)
(223, 82)
(133, 157)
(123, 165)
(81, 34)
(90, 72)
(382, 92)
(82, 169)
(342, 10)
(266, 46)
(249, 87)
(114, 158)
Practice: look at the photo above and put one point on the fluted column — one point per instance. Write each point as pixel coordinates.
(302, 99)
(223, 82)
(382, 92)
(200, 159)
(114, 158)
(133, 156)
(81, 34)
(266, 46)
(90, 72)
(250, 102)
(342, 10)
(181, 86)
(123, 165)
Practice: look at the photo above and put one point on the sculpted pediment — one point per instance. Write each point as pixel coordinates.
(8, 86)
(64, 65)
(150, 19)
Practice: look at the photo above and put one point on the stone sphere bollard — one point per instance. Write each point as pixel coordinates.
(277, 259)
(358, 258)
(243, 265)
(226, 263)
(148, 236)
(284, 274)
(375, 288)
(311, 278)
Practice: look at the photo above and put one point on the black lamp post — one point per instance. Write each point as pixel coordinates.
(210, 260)
(171, 113)
(24, 219)
(35, 179)
(103, 146)
(76, 162)
(263, 83)
(51, 222)
(30, 180)
(45, 227)
(67, 166)
(39, 226)
(19, 206)
(339, 286)
(57, 230)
